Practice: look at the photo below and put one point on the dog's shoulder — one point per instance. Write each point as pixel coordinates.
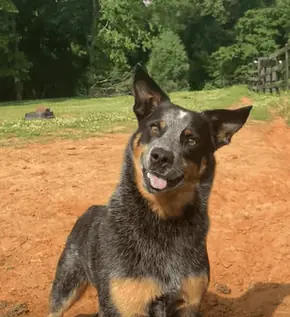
(90, 218)
(93, 213)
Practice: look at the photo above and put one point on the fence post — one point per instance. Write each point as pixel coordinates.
(259, 76)
(287, 65)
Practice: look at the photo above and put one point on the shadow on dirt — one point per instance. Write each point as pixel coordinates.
(260, 301)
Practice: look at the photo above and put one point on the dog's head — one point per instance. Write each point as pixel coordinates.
(173, 145)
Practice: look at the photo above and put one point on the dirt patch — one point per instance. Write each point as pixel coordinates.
(244, 101)
(44, 188)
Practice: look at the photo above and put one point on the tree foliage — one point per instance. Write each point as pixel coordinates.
(168, 62)
(257, 33)
(59, 48)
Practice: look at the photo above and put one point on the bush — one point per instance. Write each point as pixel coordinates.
(168, 62)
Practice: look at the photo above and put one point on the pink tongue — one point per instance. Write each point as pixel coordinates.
(156, 182)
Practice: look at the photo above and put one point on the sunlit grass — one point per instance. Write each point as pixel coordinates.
(80, 117)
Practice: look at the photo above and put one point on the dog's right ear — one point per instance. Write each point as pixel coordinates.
(148, 95)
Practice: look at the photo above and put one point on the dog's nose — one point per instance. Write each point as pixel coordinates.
(161, 157)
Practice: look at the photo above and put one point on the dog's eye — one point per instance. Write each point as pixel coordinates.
(154, 128)
(192, 141)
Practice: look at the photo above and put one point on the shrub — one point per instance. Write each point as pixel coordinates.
(168, 62)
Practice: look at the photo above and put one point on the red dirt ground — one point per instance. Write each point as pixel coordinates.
(44, 188)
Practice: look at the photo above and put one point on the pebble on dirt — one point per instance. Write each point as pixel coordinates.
(224, 289)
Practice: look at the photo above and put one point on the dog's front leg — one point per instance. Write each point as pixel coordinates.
(133, 297)
(158, 308)
(187, 303)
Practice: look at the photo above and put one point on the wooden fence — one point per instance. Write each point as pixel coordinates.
(271, 73)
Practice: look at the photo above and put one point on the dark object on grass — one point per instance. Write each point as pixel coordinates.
(44, 113)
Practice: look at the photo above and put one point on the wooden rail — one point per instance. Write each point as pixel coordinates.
(271, 73)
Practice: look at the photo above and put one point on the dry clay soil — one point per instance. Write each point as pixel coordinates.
(45, 187)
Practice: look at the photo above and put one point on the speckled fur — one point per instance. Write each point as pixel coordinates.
(143, 264)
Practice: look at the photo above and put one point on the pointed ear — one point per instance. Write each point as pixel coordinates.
(225, 123)
(147, 93)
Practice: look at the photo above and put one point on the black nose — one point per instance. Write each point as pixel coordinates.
(161, 157)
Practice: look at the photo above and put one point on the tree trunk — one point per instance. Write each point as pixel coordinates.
(91, 43)
(18, 88)
(17, 81)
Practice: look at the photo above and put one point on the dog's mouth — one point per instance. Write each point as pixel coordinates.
(158, 183)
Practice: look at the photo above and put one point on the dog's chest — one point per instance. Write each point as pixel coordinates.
(167, 251)
(174, 261)
(167, 256)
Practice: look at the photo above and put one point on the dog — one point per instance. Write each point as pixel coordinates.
(145, 251)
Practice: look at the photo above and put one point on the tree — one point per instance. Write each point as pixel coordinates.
(126, 30)
(80, 21)
(257, 34)
(168, 62)
(13, 63)
(283, 8)
(60, 48)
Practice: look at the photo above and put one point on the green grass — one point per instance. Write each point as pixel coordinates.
(79, 118)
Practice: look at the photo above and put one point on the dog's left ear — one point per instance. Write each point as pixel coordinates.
(225, 123)
(147, 93)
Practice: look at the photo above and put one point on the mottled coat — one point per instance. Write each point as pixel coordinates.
(145, 252)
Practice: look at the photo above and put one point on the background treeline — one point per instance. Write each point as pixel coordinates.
(63, 48)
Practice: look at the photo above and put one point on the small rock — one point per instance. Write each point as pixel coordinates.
(226, 264)
(224, 289)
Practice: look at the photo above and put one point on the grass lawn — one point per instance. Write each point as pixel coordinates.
(83, 117)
